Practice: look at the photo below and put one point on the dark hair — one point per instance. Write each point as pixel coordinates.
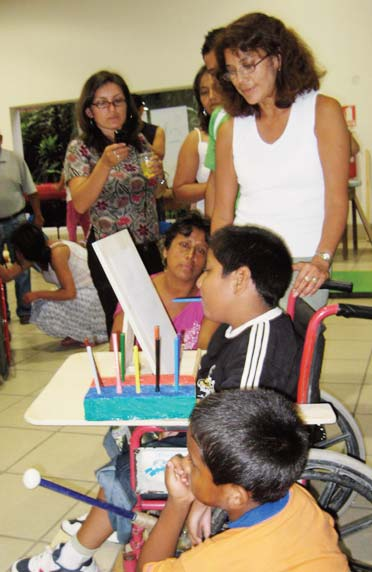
(262, 251)
(91, 134)
(185, 225)
(253, 438)
(210, 40)
(32, 243)
(138, 100)
(203, 115)
(298, 72)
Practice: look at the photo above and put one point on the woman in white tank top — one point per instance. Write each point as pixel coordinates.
(286, 146)
(190, 180)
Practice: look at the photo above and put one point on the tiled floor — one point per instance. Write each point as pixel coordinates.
(30, 519)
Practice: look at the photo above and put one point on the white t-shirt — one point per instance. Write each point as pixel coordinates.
(203, 171)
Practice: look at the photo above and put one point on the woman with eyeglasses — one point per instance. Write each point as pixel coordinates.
(190, 179)
(185, 255)
(103, 172)
(286, 146)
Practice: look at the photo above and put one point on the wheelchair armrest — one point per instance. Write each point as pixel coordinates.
(317, 413)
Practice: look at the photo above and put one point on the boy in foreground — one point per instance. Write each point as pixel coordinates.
(246, 450)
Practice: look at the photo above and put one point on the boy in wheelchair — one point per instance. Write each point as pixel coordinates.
(246, 451)
(248, 270)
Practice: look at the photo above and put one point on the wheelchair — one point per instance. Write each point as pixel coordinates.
(345, 436)
(338, 479)
(335, 473)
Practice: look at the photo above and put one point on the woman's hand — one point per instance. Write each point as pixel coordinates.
(29, 297)
(199, 522)
(157, 166)
(114, 154)
(311, 276)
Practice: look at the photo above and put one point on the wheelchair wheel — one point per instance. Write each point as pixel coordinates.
(332, 476)
(344, 436)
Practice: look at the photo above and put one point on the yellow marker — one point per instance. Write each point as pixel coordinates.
(137, 369)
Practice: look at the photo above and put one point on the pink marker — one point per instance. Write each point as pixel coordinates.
(114, 339)
(96, 376)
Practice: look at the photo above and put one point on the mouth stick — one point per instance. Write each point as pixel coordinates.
(33, 479)
(137, 368)
(157, 358)
(114, 339)
(93, 366)
(122, 355)
(177, 345)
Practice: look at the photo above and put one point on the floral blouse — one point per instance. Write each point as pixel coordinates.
(127, 199)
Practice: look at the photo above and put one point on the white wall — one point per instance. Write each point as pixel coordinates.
(49, 48)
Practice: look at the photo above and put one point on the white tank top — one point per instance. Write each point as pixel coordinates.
(282, 184)
(202, 172)
(78, 265)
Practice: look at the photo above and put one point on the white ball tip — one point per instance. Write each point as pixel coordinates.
(31, 478)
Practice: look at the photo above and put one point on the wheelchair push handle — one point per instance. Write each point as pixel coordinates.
(354, 311)
(346, 287)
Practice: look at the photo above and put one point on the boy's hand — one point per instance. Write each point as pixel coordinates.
(199, 522)
(177, 479)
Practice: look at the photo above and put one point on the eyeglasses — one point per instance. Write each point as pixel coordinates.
(186, 246)
(245, 70)
(105, 103)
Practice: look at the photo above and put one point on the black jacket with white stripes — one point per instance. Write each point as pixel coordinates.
(265, 352)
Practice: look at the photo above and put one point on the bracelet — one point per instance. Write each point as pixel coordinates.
(326, 256)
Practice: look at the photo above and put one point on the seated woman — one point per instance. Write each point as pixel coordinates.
(73, 311)
(185, 252)
(190, 179)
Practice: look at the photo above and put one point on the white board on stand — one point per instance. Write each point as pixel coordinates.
(138, 297)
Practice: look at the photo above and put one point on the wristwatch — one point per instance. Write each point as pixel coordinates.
(324, 255)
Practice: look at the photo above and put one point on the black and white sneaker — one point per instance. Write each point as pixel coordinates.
(47, 561)
(73, 525)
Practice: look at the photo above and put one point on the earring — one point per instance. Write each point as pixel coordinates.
(92, 122)
(205, 112)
